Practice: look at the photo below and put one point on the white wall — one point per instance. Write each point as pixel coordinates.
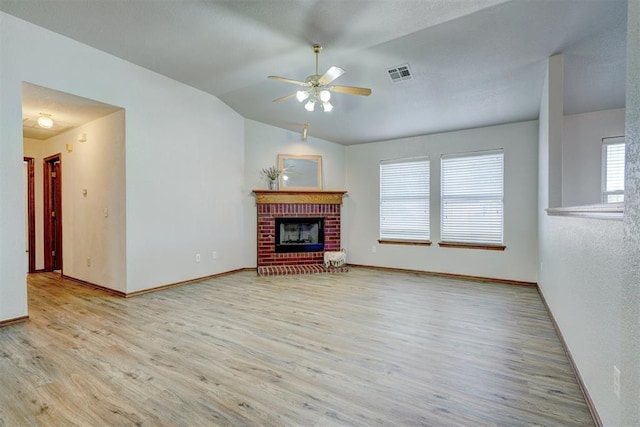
(582, 153)
(13, 292)
(581, 268)
(582, 273)
(184, 162)
(263, 143)
(630, 324)
(517, 262)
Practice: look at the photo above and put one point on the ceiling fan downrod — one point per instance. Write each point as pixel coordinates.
(316, 49)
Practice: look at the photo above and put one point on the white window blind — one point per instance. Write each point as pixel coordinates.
(472, 197)
(613, 170)
(404, 199)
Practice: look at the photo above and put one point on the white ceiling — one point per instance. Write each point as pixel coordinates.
(475, 62)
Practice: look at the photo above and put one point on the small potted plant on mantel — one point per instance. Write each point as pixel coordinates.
(272, 174)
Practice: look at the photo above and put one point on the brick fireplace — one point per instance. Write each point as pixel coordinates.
(290, 204)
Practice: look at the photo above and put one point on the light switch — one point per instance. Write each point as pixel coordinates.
(106, 212)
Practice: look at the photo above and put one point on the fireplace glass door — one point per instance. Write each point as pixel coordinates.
(299, 235)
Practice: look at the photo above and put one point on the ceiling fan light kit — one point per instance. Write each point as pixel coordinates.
(310, 105)
(301, 95)
(325, 95)
(317, 89)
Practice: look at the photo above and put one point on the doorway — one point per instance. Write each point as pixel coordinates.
(30, 213)
(52, 179)
(90, 135)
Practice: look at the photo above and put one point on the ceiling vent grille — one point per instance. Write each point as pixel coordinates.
(400, 73)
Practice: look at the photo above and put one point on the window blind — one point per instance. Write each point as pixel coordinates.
(472, 197)
(613, 170)
(404, 200)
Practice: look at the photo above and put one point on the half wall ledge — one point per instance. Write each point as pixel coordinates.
(610, 211)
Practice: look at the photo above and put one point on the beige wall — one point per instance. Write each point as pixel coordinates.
(98, 166)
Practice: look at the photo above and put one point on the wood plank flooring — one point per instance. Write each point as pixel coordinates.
(360, 348)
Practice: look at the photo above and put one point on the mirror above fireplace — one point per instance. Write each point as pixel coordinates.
(300, 172)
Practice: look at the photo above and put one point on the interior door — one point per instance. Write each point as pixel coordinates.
(26, 214)
(30, 223)
(53, 213)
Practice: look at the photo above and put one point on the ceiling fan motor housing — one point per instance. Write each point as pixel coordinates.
(313, 80)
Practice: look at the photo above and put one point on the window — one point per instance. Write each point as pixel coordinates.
(472, 198)
(404, 200)
(613, 169)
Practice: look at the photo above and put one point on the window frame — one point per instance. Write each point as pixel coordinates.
(604, 193)
(387, 238)
(471, 242)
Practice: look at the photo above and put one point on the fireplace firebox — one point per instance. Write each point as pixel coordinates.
(299, 235)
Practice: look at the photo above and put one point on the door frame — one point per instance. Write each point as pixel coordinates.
(56, 194)
(31, 214)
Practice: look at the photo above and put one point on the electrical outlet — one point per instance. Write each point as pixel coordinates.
(616, 381)
(88, 261)
(214, 255)
(197, 257)
(373, 249)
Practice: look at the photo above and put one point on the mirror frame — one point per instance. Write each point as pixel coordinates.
(312, 175)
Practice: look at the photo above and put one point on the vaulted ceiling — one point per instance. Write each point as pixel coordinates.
(474, 62)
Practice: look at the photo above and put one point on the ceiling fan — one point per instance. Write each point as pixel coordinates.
(316, 89)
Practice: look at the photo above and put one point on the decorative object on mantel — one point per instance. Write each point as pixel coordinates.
(271, 174)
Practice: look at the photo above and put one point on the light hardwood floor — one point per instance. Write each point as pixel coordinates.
(360, 348)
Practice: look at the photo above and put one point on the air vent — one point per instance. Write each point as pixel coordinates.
(400, 73)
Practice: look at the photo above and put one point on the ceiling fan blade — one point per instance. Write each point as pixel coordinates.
(284, 98)
(331, 74)
(286, 80)
(351, 90)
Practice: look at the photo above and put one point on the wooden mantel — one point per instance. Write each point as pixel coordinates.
(331, 197)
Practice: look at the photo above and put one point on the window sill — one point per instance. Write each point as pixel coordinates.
(405, 242)
(461, 245)
(608, 211)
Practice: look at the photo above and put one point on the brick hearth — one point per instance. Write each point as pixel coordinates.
(296, 204)
(283, 270)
